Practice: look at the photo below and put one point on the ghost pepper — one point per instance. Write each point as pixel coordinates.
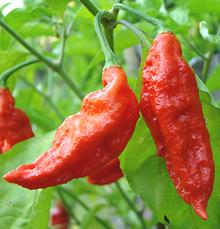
(172, 109)
(14, 123)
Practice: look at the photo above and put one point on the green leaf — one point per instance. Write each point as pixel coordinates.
(158, 191)
(34, 29)
(57, 6)
(213, 82)
(139, 148)
(205, 94)
(17, 18)
(20, 207)
(130, 40)
(180, 15)
(206, 6)
(40, 119)
(9, 59)
(89, 220)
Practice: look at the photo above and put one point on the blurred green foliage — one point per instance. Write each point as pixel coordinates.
(40, 23)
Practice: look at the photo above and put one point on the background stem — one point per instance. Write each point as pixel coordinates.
(6, 74)
(47, 98)
(71, 214)
(130, 204)
(102, 222)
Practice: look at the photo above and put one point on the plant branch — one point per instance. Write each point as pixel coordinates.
(47, 98)
(47, 61)
(102, 222)
(90, 6)
(6, 74)
(68, 208)
(130, 204)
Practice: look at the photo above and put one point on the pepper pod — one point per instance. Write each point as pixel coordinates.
(91, 138)
(171, 108)
(110, 173)
(14, 123)
(59, 216)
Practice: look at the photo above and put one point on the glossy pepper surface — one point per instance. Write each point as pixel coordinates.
(14, 123)
(171, 108)
(108, 174)
(59, 216)
(87, 140)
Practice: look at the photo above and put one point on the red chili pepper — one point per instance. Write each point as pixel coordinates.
(14, 124)
(59, 216)
(87, 140)
(108, 174)
(171, 108)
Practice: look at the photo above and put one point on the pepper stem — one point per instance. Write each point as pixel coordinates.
(6, 74)
(147, 18)
(110, 58)
(136, 31)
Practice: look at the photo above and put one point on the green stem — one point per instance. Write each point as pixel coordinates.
(70, 83)
(137, 13)
(48, 62)
(102, 222)
(68, 208)
(47, 98)
(90, 6)
(206, 63)
(193, 219)
(5, 75)
(130, 204)
(135, 30)
(110, 58)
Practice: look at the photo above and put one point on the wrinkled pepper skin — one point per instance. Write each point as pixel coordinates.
(110, 173)
(59, 216)
(172, 110)
(87, 140)
(14, 123)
